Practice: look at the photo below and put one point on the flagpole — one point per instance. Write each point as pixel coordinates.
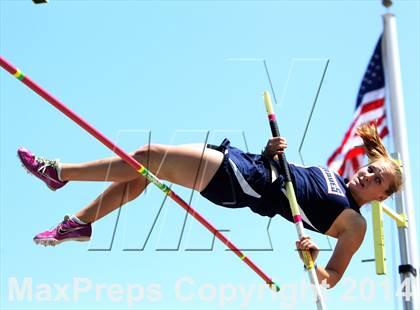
(408, 268)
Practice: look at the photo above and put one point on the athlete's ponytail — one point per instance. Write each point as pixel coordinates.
(376, 151)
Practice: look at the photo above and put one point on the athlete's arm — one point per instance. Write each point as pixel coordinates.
(349, 241)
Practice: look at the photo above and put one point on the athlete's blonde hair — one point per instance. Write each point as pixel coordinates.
(376, 151)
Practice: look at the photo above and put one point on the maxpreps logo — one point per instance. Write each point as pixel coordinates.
(332, 183)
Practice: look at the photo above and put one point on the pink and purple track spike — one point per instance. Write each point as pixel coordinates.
(67, 230)
(44, 169)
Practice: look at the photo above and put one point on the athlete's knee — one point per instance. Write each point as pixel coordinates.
(151, 155)
(136, 187)
(147, 152)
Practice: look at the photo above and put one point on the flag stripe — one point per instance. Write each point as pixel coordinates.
(361, 118)
(337, 161)
(370, 108)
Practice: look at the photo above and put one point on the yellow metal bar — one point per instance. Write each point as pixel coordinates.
(400, 219)
(378, 237)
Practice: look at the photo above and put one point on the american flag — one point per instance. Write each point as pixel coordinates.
(370, 108)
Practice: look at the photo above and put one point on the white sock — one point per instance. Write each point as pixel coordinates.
(77, 220)
(59, 171)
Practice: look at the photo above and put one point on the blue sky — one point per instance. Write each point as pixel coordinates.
(176, 71)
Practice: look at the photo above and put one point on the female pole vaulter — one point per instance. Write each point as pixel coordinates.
(229, 177)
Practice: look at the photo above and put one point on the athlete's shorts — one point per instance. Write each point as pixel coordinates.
(241, 180)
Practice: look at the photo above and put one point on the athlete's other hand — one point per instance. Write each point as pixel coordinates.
(306, 244)
(275, 146)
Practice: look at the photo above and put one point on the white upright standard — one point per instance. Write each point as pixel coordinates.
(408, 238)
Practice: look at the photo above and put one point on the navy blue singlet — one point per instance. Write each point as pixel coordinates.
(244, 180)
(321, 194)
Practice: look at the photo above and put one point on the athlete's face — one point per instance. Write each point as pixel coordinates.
(371, 182)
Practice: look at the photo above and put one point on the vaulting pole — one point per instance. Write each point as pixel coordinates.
(309, 263)
(135, 164)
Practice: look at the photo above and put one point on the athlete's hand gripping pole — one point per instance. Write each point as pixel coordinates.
(134, 164)
(309, 263)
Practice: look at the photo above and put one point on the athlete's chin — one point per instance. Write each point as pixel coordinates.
(354, 188)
